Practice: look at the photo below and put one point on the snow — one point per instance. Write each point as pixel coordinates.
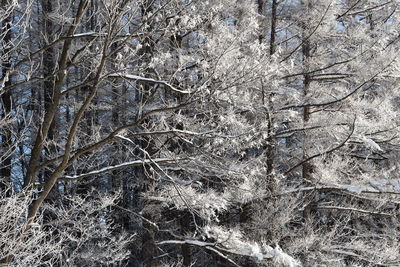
(282, 258)
(371, 144)
(256, 252)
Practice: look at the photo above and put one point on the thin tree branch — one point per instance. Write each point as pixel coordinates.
(309, 36)
(325, 152)
(369, 9)
(349, 9)
(354, 209)
(330, 102)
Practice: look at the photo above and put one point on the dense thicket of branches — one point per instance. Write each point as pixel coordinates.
(199, 133)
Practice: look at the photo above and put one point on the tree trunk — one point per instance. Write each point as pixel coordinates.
(48, 84)
(185, 228)
(272, 45)
(6, 99)
(307, 167)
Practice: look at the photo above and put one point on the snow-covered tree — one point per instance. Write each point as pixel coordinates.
(194, 133)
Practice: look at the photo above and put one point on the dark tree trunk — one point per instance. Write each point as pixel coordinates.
(306, 50)
(307, 167)
(6, 99)
(185, 228)
(48, 84)
(270, 139)
(272, 45)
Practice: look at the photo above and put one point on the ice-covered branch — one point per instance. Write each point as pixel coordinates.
(355, 189)
(354, 210)
(275, 254)
(206, 245)
(116, 167)
(147, 80)
(186, 242)
(88, 34)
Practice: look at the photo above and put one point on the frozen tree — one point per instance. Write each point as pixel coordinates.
(195, 133)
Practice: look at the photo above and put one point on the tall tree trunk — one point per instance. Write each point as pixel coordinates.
(185, 228)
(307, 167)
(267, 98)
(33, 168)
(6, 99)
(270, 140)
(48, 84)
(260, 9)
(272, 45)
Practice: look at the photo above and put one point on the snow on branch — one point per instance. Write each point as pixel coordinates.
(275, 254)
(148, 80)
(371, 144)
(116, 167)
(186, 242)
(382, 186)
(345, 188)
(208, 134)
(209, 246)
(88, 34)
